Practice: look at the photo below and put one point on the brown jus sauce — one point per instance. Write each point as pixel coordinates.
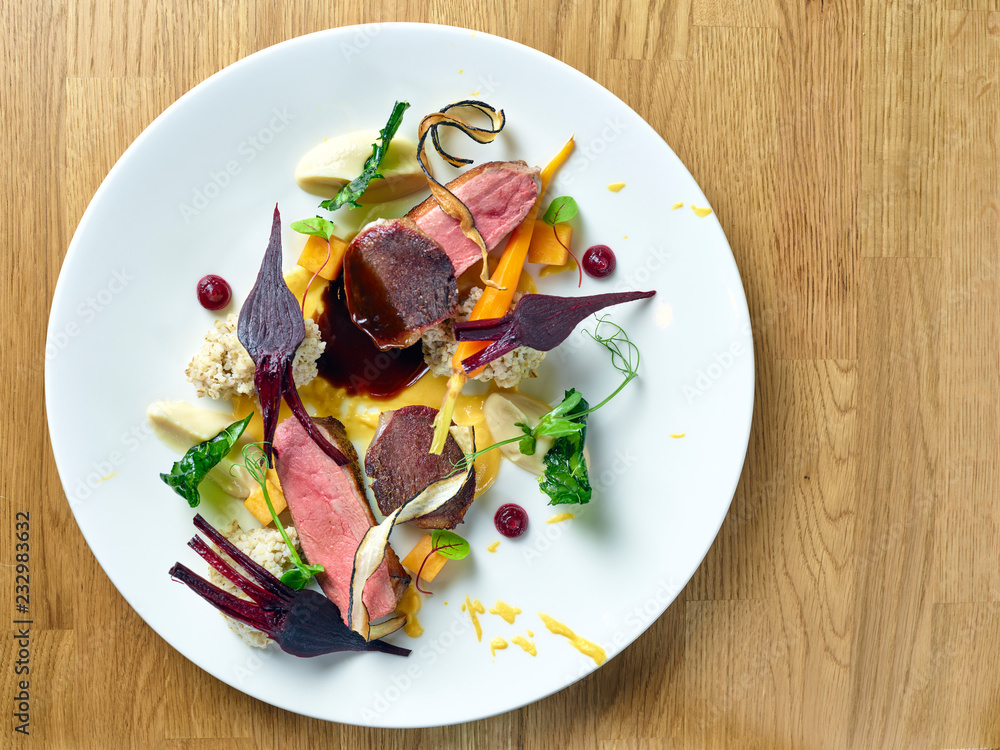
(352, 360)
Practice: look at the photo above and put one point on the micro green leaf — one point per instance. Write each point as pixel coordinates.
(560, 209)
(353, 190)
(318, 227)
(187, 474)
(449, 544)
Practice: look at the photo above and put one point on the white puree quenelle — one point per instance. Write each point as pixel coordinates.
(335, 162)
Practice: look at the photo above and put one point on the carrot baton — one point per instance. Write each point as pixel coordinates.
(495, 300)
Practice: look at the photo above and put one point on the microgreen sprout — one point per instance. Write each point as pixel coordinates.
(256, 464)
(567, 421)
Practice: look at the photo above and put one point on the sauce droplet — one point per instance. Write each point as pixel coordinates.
(599, 261)
(529, 646)
(560, 517)
(497, 644)
(493, 547)
(409, 606)
(472, 607)
(214, 292)
(581, 644)
(511, 520)
(505, 610)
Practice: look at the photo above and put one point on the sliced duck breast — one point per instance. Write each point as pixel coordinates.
(398, 282)
(499, 195)
(400, 465)
(331, 514)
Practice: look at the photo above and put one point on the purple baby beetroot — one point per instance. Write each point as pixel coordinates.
(271, 328)
(540, 321)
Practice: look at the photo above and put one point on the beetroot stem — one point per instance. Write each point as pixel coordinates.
(210, 556)
(265, 620)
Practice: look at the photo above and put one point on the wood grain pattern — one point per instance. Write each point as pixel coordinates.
(850, 149)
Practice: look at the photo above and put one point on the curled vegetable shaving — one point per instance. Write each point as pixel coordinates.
(447, 200)
(371, 551)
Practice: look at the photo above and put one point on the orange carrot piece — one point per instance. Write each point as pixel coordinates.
(415, 559)
(547, 248)
(314, 253)
(494, 303)
(256, 504)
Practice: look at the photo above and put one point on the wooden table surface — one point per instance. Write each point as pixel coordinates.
(850, 150)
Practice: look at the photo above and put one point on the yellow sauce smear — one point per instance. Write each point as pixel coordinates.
(409, 606)
(616, 187)
(549, 270)
(530, 634)
(493, 547)
(677, 434)
(505, 610)
(678, 204)
(581, 644)
(472, 607)
(529, 646)
(700, 212)
(560, 517)
(497, 644)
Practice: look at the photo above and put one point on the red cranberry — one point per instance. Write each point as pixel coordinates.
(214, 292)
(599, 261)
(511, 520)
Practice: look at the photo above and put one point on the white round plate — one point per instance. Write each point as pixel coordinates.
(194, 195)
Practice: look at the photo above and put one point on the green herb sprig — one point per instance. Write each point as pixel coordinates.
(299, 576)
(353, 190)
(188, 473)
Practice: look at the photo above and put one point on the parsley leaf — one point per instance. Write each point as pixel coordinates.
(560, 209)
(353, 190)
(187, 474)
(319, 227)
(565, 479)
